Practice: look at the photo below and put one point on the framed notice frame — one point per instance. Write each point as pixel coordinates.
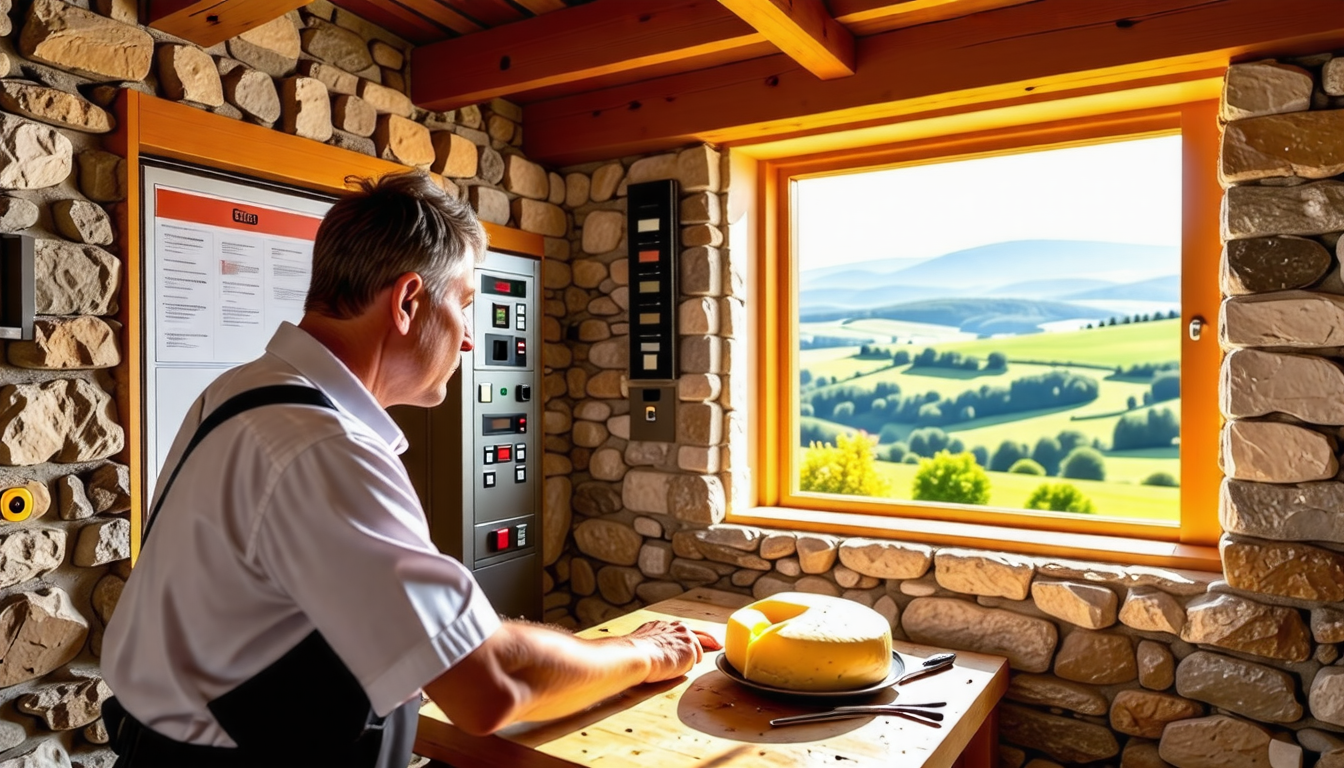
(227, 259)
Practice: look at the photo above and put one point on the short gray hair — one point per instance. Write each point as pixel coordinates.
(386, 227)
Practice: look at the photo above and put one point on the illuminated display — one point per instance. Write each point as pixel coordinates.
(502, 287)
(501, 315)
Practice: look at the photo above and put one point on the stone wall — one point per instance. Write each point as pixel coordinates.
(1111, 665)
(322, 74)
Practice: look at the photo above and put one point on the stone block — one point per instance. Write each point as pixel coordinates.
(1156, 667)
(1151, 610)
(698, 459)
(1264, 264)
(699, 424)
(66, 420)
(28, 553)
(1146, 713)
(404, 141)
(652, 168)
(1066, 739)
(385, 55)
(701, 208)
(1264, 88)
(701, 272)
(102, 178)
(1238, 624)
(646, 491)
(603, 231)
(354, 115)
(696, 499)
(608, 541)
(103, 542)
(1284, 569)
(75, 279)
(32, 156)
(1027, 642)
(42, 631)
(186, 73)
(17, 214)
(577, 186)
(701, 235)
(1258, 383)
(701, 354)
(1273, 452)
(337, 46)
(605, 181)
(885, 559)
(500, 128)
(539, 217)
(67, 343)
(1257, 691)
(336, 79)
(1308, 511)
(386, 101)
(1300, 319)
(85, 43)
(272, 48)
(492, 205)
(305, 108)
(1307, 209)
(984, 573)
(698, 387)
(67, 706)
(1326, 698)
(1303, 144)
(54, 107)
(1086, 605)
(1096, 658)
(698, 317)
(1051, 691)
(454, 156)
(698, 169)
(556, 193)
(253, 93)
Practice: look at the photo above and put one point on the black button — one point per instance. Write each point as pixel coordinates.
(523, 392)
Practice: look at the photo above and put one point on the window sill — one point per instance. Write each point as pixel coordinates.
(1075, 546)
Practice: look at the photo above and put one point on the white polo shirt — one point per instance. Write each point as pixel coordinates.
(284, 520)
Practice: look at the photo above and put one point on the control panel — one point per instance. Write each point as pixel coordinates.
(476, 459)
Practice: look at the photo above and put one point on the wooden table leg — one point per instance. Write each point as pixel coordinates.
(983, 749)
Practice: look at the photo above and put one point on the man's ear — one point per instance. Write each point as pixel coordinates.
(407, 299)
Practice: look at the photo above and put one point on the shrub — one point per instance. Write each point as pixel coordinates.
(1165, 479)
(1083, 464)
(997, 361)
(900, 357)
(956, 479)
(1048, 453)
(928, 441)
(911, 458)
(1060, 497)
(843, 411)
(1026, 467)
(981, 454)
(806, 410)
(1155, 429)
(849, 467)
(1070, 439)
(1006, 455)
(895, 452)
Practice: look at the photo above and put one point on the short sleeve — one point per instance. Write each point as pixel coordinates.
(342, 534)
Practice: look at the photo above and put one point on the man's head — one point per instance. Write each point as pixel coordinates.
(387, 227)
(392, 277)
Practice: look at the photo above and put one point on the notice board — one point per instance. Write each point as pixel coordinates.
(226, 261)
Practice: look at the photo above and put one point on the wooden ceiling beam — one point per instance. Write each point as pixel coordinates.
(804, 31)
(1034, 50)
(210, 22)
(869, 17)
(591, 40)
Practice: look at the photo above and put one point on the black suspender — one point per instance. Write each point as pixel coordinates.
(292, 394)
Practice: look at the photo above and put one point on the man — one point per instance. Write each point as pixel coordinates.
(288, 606)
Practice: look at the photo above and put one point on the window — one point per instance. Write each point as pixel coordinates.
(994, 330)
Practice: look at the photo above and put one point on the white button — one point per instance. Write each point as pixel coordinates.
(486, 393)
(489, 479)
(520, 475)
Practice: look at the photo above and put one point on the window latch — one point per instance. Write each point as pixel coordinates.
(1196, 327)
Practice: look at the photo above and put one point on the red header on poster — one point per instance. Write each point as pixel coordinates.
(197, 209)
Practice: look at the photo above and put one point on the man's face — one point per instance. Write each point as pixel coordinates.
(442, 334)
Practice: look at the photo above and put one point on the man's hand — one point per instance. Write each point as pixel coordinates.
(674, 648)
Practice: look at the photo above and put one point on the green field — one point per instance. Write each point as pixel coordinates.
(1121, 345)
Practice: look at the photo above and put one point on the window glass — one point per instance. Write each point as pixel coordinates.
(1001, 332)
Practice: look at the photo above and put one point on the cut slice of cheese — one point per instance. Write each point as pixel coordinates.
(806, 642)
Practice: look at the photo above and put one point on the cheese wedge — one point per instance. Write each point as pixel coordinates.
(806, 642)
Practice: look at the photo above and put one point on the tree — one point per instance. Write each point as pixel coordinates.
(1154, 429)
(848, 467)
(900, 357)
(1006, 455)
(928, 357)
(1047, 453)
(1166, 386)
(843, 411)
(805, 377)
(1165, 479)
(1026, 467)
(1132, 403)
(957, 479)
(1083, 464)
(981, 454)
(1070, 439)
(928, 441)
(806, 410)
(1060, 497)
(895, 452)
(997, 361)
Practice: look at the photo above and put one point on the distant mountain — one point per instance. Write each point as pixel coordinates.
(814, 300)
(1048, 289)
(988, 269)
(983, 316)
(1166, 288)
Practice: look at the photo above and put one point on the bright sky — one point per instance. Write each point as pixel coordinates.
(1125, 192)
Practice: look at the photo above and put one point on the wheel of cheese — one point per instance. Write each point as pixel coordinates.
(806, 642)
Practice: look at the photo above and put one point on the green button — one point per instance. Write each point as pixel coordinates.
(503, 391)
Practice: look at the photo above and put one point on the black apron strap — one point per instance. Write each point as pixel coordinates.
(279, 394)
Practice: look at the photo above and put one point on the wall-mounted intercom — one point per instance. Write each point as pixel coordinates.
(19, 292)
(652, 237)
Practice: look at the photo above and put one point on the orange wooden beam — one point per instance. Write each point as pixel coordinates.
(869, 17)
(586, 41)
(1040, 50)
(804, 31)
(209, 22)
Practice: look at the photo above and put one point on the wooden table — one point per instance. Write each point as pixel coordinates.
(706, 720)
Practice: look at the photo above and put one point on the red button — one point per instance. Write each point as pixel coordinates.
(501, 539)
(504, 453)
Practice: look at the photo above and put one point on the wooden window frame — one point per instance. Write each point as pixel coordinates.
(1190, 544)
